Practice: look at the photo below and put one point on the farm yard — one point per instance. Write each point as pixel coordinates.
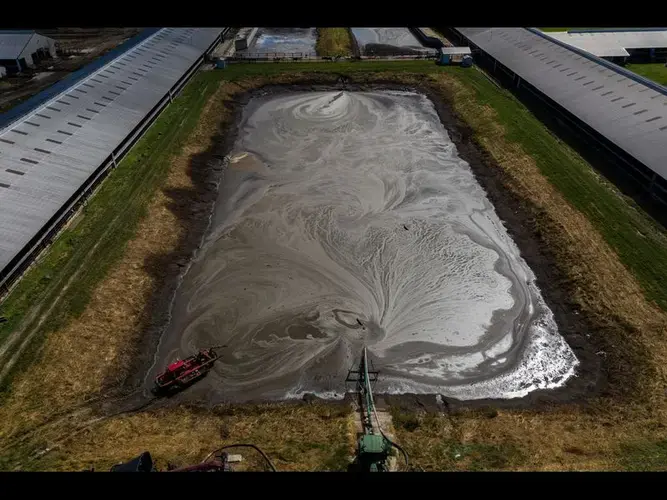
(351, 189)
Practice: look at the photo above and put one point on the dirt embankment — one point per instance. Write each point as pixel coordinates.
(598, 306)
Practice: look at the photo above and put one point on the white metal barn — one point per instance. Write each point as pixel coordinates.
(20, 49)
(625, 110)
(613, 44)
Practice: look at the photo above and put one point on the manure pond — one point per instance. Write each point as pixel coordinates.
(347, 219)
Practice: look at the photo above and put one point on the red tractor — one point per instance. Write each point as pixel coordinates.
(184, 372)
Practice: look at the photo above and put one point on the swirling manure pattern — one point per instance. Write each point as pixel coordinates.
(347, 219)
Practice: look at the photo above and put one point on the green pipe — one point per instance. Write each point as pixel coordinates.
(367, 392)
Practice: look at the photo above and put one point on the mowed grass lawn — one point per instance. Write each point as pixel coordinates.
(653, 71)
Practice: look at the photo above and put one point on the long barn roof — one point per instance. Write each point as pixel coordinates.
(627, 109)
(612, 43)
(49, 154)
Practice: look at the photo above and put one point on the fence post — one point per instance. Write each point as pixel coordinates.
(651, 186)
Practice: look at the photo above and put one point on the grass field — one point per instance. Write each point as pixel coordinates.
(653, 71)
(235, 72)
(295, 437)
(333, 42)
(602, 238)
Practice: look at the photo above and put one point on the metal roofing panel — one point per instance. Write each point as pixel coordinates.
(455, 50)
(622, 115)
(642, 39)
(612, 43)
(47, 155)
(12, 43)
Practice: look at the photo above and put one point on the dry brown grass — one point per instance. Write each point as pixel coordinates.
(296, 437)
(566, 439)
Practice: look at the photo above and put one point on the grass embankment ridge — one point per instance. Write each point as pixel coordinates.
(556, 183)
(333, 42)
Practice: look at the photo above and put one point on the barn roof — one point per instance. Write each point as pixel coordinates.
(613, 43)
(50, 153)
(12, 43)
(627, 109)
(455, 51)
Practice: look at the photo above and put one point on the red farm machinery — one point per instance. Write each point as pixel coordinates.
(183, 372)
(373, 446)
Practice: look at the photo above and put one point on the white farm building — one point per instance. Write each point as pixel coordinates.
(21, 49)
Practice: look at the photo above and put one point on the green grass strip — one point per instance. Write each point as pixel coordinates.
(653, 71)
